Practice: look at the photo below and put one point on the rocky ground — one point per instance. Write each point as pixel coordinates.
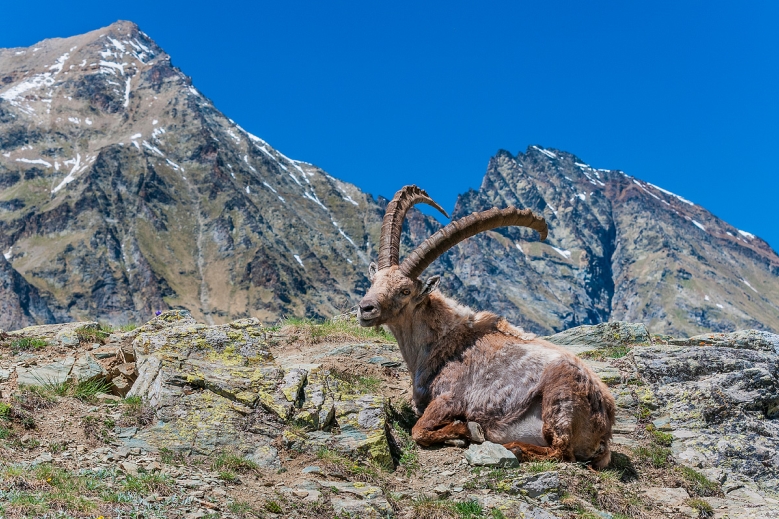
(179, 419)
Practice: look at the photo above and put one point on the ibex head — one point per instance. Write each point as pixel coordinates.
(396, 288)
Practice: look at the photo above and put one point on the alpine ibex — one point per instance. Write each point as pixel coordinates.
(474, 375)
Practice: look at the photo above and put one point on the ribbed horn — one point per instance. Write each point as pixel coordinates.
(464, 228)
(391, 227)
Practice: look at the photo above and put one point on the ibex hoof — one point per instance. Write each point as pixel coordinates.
(476, 432)
(456, 443)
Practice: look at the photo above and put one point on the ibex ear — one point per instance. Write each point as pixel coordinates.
(430, 285)
(372, 269)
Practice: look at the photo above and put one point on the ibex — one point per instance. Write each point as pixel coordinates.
(474, 375)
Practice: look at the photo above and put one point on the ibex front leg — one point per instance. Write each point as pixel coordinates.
(442, 423)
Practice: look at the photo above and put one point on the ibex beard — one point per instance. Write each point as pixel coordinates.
(476, 377)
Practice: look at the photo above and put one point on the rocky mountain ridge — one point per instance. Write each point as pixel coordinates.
(124, 191)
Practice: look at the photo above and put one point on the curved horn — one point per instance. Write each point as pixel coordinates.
(464, 228)
(391, 227)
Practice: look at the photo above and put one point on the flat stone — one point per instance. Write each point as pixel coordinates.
(490, 454)
(87, 369)
(312, 469)
(120, 386)
(105, 352)
(604, 334)
(537, 485)
(129, 467)
(673, 497)
(55, 373)
(105, 397)
(5, 374)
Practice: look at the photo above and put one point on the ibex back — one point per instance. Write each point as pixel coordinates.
(474, 375)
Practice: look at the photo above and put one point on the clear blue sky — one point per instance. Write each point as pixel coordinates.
(682, 94)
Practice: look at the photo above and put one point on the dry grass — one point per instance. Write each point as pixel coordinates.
(309, 332)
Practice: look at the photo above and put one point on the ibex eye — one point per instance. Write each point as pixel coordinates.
(406, 292)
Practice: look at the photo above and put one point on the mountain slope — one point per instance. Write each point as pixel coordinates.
(618, 249)
(123, 191)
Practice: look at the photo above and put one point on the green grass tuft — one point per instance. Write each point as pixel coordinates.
(147, 483)
(658, 456)
(228, 462)
(610, 352)
(27, 344)
(697, 482)
(703, 508)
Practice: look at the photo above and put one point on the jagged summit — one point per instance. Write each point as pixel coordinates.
(123, 191)
(618, 248)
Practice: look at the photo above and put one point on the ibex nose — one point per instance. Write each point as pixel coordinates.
(369, 308)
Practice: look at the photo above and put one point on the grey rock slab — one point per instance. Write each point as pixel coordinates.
(54, 373)
(87, 369)
(511, 506)
(490, 454)
(602, 335)
(537, 485)
(741, 339)
(368, 500)
(673, 497)
(5, 374)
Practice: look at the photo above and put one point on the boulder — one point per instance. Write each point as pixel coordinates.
(490, 454)
(54, 373)
(720, 401)
(87, 369)
(602, 335)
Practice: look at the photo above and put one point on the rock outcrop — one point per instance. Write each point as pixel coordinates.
(314, 419)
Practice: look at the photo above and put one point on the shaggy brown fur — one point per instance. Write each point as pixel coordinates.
(471, 368)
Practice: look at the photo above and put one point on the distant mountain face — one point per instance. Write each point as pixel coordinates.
(124, 191)
(618, 249)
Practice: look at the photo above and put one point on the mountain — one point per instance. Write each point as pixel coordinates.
(124, 191)
(619, 249)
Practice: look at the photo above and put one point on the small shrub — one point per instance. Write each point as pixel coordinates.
(171, 457)
(137, 412)
(228, 476)
(87, 389)
(5, 411)
(468, 509)
(409, 452)
(662, 438)
(95, 428)
(90, 335)
(273, 507)
(535, 467)
(703, 508)
(57, 447)
(230, 462)
(33, 398)
(27, 344)
(610, 352)
(331, 330)
(656, 455)
(697, 482)
(147, 483)
(243, 509)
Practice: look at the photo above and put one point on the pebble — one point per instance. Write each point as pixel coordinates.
(129, 467)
